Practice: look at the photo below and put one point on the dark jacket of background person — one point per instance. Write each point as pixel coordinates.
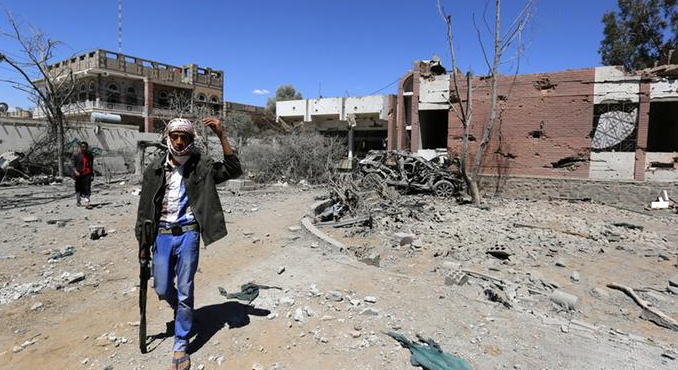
(78, 163)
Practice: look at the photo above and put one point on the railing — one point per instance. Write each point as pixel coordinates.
(88, 106)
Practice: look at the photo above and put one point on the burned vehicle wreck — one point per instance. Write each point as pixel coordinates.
(411, 173)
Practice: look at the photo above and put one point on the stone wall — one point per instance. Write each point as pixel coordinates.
(627, 194)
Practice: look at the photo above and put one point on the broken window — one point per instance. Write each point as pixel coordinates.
(662, 133)
(433, 128)
(615, 127)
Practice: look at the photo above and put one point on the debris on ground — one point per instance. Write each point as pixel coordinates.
(409, 172)
(248, 292)
(97, 232)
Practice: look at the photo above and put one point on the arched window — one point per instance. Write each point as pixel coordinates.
(163, 99)
(202, 97)
(214, 99)
(82, 92)
(113, 94)
(92, 91)
(131, 96)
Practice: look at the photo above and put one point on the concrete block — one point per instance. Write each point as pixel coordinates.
(499, 251)
(456, 278)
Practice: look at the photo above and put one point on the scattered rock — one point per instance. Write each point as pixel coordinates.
(334, 296)
(370, 299)
(57, 255)
(575, 276)
(280, 270)
(564, 299)
(403, 238)
(372, 260)
(287, 301)
(370, 312)
(29, 219)
(96, 232)
(299, 315)
(36, 306)
(294, 228)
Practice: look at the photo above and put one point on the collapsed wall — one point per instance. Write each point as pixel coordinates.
(114, 146)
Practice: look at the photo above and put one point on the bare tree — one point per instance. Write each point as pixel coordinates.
(463, 108)
(182, 105)
(48, 87)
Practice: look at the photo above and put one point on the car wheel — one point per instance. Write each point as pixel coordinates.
(445, 189)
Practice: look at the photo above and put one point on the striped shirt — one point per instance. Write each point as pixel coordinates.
(175, 207)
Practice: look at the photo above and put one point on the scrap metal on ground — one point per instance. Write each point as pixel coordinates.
(411, 173)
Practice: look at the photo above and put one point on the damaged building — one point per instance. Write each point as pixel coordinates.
(593, 123)
(364, 122)
(597, 123)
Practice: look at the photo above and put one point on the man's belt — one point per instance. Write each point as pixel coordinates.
(177, 230)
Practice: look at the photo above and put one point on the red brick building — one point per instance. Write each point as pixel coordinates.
(599, 123)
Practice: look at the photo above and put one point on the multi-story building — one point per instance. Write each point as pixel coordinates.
(141, 92)
(363, 121)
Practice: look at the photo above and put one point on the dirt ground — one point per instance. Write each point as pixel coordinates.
(332, 310)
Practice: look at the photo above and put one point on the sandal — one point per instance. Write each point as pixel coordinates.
(181, 360)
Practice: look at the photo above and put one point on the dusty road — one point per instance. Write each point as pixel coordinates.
(332, 310)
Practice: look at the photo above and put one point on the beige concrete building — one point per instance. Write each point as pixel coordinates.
(139, 91)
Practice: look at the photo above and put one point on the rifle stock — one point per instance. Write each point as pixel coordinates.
(145, 243)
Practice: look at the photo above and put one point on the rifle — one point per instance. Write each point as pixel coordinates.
(145, 243)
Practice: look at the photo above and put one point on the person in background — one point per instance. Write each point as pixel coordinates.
(83, 171)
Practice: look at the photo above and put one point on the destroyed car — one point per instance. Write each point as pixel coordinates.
(408, 172)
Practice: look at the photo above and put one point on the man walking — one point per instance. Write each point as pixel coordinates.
(83, 171)
(179, 195)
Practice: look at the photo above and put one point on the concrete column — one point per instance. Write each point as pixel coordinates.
(391, 127)
(401, 114)
(148, 105)
(414, 142)
(643, 126)
(350, 142)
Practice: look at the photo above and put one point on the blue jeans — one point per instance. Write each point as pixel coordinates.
(177, 256)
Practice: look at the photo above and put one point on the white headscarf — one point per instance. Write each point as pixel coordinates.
(181, 125)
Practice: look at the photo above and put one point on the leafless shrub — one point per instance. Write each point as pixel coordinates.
(292, 157)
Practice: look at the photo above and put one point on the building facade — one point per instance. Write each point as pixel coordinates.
(597, 123)
(363, 121)
(141, 92)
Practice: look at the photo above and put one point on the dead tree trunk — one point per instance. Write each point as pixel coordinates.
(464, 110)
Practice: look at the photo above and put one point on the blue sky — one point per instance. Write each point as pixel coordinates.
(332, 48)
